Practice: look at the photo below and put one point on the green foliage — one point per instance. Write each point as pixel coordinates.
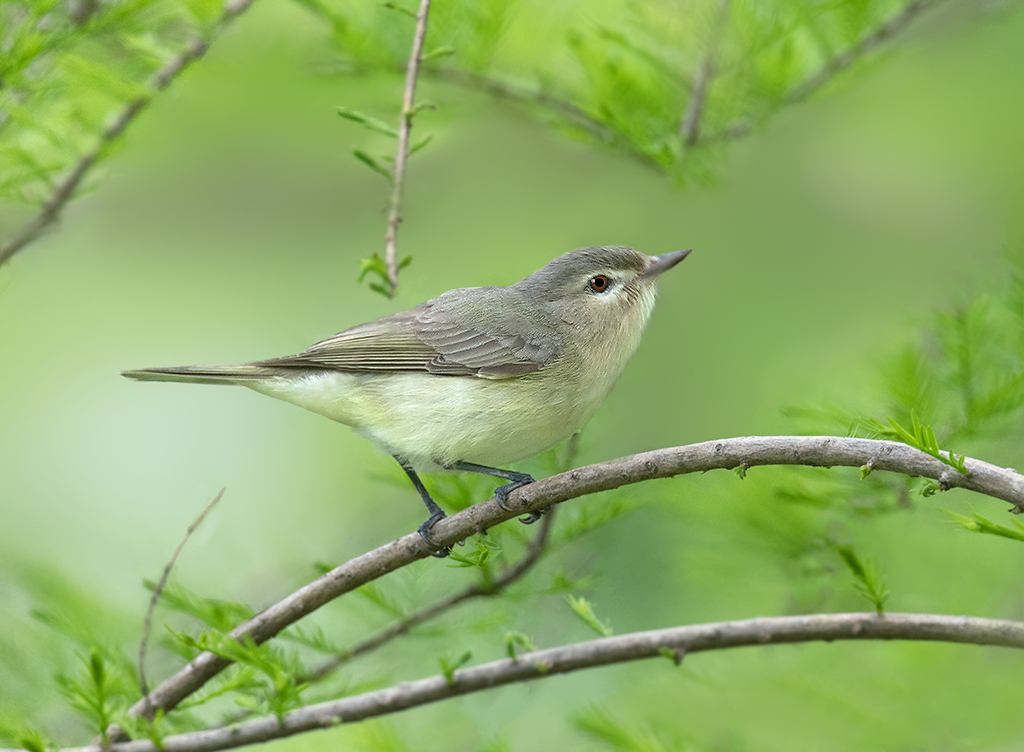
(220, 615)
(67, 68)
(978, 524)
(585, 611)
(26, 738)
(371, 123)
(513, 639)
(481, 554)
(449, 666)
(599, 724)
(97, 692)
(276, 682)
(376, 265)
(313, 638)
(867, 580)
(673, 655)
(631, 75)
(921, 437)
(373, 593)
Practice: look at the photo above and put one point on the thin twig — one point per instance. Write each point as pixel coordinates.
(402, 626)
(751, 451)
(867, 43)
(596, 128)
(148, 622)
(404, 128)
(65, 189)
(833, 66)
(672, 643)
(689, 129)
(573, 114)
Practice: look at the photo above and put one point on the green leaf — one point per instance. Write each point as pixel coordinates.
(867, 580)
(585, 611)
(221, 615)
(373, 124)
(449, 667)
(978, 524)
(421, 144)
(922, 437)
(92, 693)
(673, 655)
(512, 639)
(372, 163)
(400, 9)
(438, 53)
(373, 593)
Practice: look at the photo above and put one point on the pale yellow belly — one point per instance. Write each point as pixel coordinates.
(434, 421)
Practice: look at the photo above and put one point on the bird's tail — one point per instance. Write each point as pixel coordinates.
(204, 374)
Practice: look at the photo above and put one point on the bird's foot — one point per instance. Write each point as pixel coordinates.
(501, 492)
(534, 516)
(424, 530)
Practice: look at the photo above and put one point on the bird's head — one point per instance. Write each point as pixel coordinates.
(601, 287)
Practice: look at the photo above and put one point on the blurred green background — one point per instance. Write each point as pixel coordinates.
(229, 229)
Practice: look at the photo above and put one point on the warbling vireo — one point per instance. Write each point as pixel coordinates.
(476, 377)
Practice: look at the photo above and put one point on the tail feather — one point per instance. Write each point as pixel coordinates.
(203, 374)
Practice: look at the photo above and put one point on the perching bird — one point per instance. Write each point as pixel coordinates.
(474, 378)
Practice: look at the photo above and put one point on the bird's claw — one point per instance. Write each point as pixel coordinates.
(534, 516)
(502, 492)
(438, 551)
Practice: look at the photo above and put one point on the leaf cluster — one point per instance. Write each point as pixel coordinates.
(67, 68)
(631, 72)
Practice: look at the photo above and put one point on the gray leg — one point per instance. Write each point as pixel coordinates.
(436, 513)
(501, 492)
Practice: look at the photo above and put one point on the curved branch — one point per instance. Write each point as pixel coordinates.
(751, 451)
(476, 590)
(66, 188)
(672, 643)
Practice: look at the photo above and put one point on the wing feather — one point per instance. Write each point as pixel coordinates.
(482, 332)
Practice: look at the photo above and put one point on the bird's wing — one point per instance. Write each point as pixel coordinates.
(483, 332)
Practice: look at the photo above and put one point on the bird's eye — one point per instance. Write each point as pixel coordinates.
(599, 283)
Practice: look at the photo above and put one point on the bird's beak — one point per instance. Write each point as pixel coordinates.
(664, 262)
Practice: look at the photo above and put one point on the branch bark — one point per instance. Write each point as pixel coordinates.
(673, 643)
(476, 590)
(751, 451)
(66, 188)
(404, 128)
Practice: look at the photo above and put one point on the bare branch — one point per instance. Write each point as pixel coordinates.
(404, 128)
(65, 189)
(689, 130)
(751, 451)
(673, 643)
(148, 621)
(502, 581)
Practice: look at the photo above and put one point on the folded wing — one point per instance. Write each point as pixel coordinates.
(481, 332)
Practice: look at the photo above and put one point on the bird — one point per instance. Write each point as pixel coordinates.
(475, 378)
